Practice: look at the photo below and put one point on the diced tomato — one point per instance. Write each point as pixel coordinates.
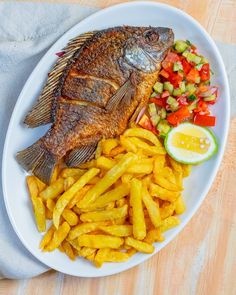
(165, 94)
(159, 101)
(192, 75)
(172, 57)
(145, 122)
(182, 100)
(186, 66)
(204, 120)
(202, 108)
(205, 72)
(164, 73)
(175, 79)
(167, 64)
(178, 116)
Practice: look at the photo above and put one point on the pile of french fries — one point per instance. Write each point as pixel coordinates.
(117, 204)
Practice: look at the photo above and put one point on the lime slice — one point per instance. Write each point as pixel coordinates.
(190, 144)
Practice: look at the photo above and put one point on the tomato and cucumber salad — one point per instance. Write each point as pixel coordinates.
(183, 93)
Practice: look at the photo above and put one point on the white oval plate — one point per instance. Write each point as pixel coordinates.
(18, 137)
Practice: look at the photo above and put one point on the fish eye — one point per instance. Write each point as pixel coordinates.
(151, 36)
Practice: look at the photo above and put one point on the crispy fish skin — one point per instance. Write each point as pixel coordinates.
(109, 79)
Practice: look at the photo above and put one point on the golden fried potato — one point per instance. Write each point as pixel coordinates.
(162, 193)
(152, 207)
(72, 172)
(108, 145)
(64, 200)
(53, 190)
(144, 134)
(32, 186)
(109, 255)
(186, 170)
(84, 228)
(167, 210)
(154, 235)
(139, 246)
(104, 214)
(180, 206)
(79, 195)
(118, 230)
(59, 236)
(68, 250)
(105, 163)
(169, 223)
(139, 226)
(108, 180)
(148, 149)
(70, 217)
(68, 182)
(47, 237)
(39, 213)
(127, 144)
(100, 241)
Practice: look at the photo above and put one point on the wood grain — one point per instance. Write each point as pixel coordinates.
(201, 260)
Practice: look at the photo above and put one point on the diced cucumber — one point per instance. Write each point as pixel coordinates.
(158, 87)
(190, 88)
(169, 87)
(192, 106)
(162, 113)
(197, 80)
(210, 98)
(173, 103)
(181, 46)
(193, 57)
(204, 60)
(154, 94)
(155, 118)
(177, 66)
(163, 127)
(177, 92)
(182, 87)
(199, 66)
(185, 53)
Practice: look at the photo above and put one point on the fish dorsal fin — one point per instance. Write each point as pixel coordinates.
(41, 112)
(80, 155)
(123, 92)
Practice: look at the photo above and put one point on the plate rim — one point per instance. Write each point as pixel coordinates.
(218, 161)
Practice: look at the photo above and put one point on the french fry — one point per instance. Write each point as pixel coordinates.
(175, 165)
(100, 241)
(118, 221)
(94, 180)
(68, 182)
(127, 144)
(84, 228)
(88, 165)
(180, 206)
(112, 195)
(108, 145)
(41, 185)
(39, 213)
(118, 230)
(64, 200)
(54, 174)
(109, 255)
(169, 223)
(162, 193)
(79, 195)
(152, 207)
(154, 235)
(116, 151)
(86, 251)
(139, 246)
(105, 163)
(168, 173)
(167, 210)
(139, 226)
(146, 181)
(143, 133)
(121, 202)
(53, 190)
(75, 245)
(186, 170)
(104, 215)
(108, 180)
(48, 213)
(32, 186)
(98, 151)
(47, 237)
(159, 163)
(68, 250)
(166, 184)
(125, 178)
(59, 236)
(148, 149)
(110, 205)
(50, 204)
(72, 172)
(144, 167)
(70, 217)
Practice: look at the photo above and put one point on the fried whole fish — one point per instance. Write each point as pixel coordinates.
(96, 88)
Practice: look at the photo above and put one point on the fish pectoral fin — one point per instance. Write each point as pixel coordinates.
(124, 92)
(41, 113)
(37, 159)
(80, 155)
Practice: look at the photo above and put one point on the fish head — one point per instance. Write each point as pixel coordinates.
(146, 49)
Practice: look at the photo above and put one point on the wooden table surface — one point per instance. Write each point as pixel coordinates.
(202, 259)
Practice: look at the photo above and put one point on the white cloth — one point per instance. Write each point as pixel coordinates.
(26, 31)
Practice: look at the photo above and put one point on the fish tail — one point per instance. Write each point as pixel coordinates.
(38, 159)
